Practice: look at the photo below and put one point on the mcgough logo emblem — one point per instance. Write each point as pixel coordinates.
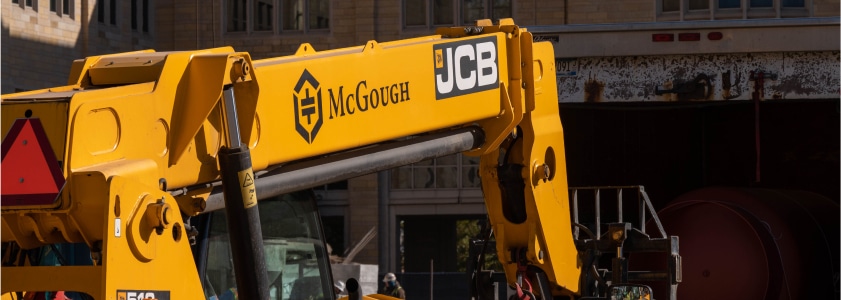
(465, 67)
(307, 98)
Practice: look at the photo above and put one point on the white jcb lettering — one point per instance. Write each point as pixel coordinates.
(445, 87)
(471, 66)
(486, 63)
(140, 295)
(465, 83)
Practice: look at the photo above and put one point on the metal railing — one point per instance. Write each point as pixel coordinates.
(644, 207)
(625, 234)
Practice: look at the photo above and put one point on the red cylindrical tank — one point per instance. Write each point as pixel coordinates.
(742, 243)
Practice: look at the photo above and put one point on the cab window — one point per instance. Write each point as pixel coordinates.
(295, 255)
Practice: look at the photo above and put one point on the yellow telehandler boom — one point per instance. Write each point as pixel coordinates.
(126, 157)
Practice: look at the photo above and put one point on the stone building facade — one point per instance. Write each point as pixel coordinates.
(40, 39)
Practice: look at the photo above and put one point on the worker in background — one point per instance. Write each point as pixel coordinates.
(646, 295)
(339, 288)
(392, 287)
(229, 294)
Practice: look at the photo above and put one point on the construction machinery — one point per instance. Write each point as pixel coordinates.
(141, 177)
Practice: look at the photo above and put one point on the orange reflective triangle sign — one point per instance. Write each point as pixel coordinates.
(29, 168)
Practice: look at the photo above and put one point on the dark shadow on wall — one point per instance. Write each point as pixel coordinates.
(31, 61)
(27, 64)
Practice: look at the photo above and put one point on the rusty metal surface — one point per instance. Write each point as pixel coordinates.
(784, 242)
(701, 77)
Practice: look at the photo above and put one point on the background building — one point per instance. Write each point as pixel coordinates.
(418, 209)
(40, 39)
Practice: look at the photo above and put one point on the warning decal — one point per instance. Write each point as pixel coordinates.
(248, 181)
(31, 174)
(248, 189)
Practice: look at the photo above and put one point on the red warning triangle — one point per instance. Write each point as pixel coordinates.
(29, 168)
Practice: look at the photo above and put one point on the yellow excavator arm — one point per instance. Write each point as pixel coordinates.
(142, 138)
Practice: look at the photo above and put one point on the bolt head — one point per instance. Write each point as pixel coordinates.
(166, 216)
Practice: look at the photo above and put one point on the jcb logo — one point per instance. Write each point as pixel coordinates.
(307, 98)
(141, 295)
(465, 67)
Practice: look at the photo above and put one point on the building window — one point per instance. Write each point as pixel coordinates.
(443, 12)
(333, 186)
(319, 14)
(435, 13)
(133, 14)
(289, 15)
(112, 9)
(414, 13)
(726, 4)
(474, 10)
(670, 10)
(60, 7)
(263, 12)
(140, 15)
(236, 15)
(794, 3)
(761, 3)
(145, 15)
(32, 4)
(332, 194)
(699, 4)
(292, 15)
(449, 172)
(315, 14)
(106, 11)
(100, 11)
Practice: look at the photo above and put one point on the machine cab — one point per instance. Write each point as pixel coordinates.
(295, 252)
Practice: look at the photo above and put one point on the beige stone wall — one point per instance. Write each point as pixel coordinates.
(607, 11)
(177, 26)
(539, 12)
(184, 25)
(38, 46)
(826, 8)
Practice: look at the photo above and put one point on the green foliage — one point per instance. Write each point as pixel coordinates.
(465, 231)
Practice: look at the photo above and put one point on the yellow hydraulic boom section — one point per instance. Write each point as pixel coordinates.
(128, 128)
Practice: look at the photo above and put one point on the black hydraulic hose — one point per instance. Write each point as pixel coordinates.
(244, 224)
(353, 289)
